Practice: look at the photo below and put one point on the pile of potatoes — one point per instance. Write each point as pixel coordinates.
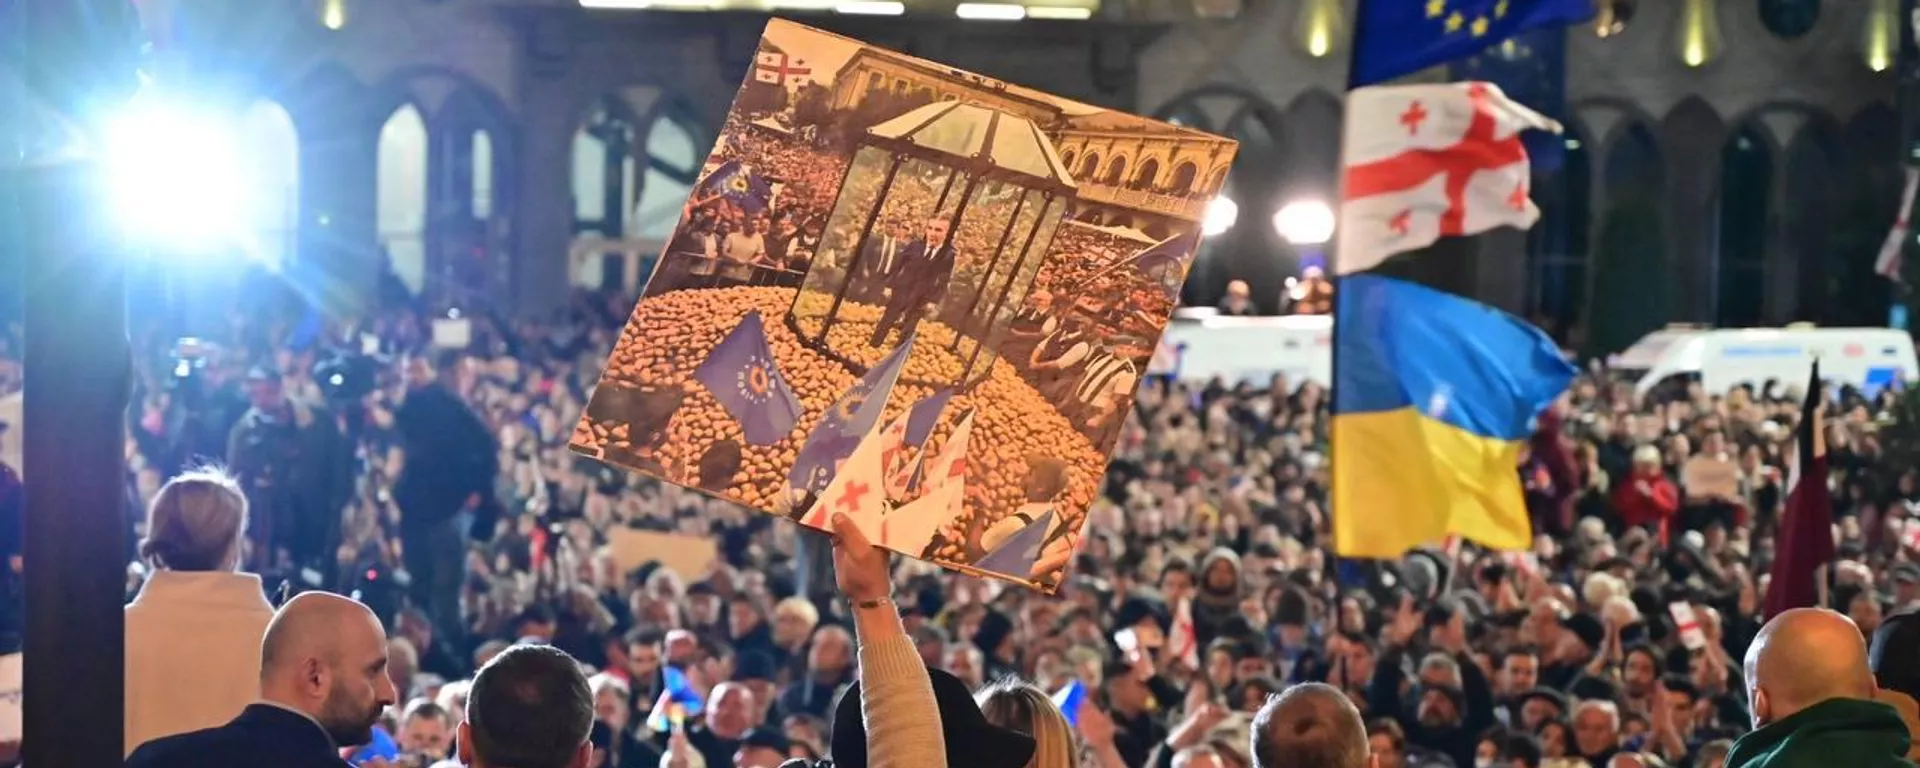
(669, 335)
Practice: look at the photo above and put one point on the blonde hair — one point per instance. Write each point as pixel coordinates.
(1024, 708)
(196, 522)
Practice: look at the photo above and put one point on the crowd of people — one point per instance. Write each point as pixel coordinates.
(1206, 585)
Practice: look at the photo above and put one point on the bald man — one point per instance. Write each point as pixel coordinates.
(1311, 725)
(323, 684)
(1811, 696)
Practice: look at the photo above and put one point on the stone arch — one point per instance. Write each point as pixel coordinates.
(1261, 164)
(1693, 135)
(1869, 194)
(1216, 181)
(1116, 172)
(1146, 175)
(1182, 181)
(1630, 294)
(1744, 226)
(1811, 168)
(402, 163)
(1066, 157)
(1558, 246)
(1314, 122)
(1089, 166)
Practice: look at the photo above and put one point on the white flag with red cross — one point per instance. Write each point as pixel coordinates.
(774, 68)
(1887, 264)
(1424, 162)
(858, 490)
(897, 458)
(950, 466)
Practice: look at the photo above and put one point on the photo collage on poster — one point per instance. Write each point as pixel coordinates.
(910, 294)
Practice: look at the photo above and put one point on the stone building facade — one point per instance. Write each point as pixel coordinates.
(1733, 167)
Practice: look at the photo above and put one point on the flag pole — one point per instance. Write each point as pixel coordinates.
(1333, 256)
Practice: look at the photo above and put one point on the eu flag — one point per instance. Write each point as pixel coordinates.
(846, 423)
(742, 374)
(738, 183)
(1400, 37)
(1433, 397)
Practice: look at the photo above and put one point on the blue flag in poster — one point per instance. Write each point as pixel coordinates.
(737, 183)
(1399, 37)
(1016, 556)
(923, 417)
(743, 376)
(846, 422)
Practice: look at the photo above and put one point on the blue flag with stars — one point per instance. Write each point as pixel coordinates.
(1399, 37)
(742, 374)
(846, 422)
(741, 186)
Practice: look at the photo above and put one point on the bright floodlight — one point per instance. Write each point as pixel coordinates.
(177, 176)
(1220, 215)
(1305, 222)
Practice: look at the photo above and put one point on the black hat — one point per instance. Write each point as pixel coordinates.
(970, 740)
(1587, 628)
(1894, 654)
(755, 665)
(1904, 573)
(766, 738)
(1549, 695)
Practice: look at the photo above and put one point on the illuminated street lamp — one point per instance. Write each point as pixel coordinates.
(1220, 216)
(1305, 222)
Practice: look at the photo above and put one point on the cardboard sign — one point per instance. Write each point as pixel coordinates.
(911, 295)
(11, 669)
(1707, 477)
(1688, 624)
(688, 556)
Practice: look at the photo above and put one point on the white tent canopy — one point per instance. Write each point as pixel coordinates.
(963, 130)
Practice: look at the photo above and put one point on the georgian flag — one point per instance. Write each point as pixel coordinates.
(1424, 162)
(1887, 264)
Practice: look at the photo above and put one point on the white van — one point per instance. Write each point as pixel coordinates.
(1250, 349)
(1871, 359)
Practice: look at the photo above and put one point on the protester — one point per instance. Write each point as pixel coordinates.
(1812, 695)
(1208, 554)
(323, 685)
(1894, 655)
(1310, 724)
(194, 630)
(529, 707)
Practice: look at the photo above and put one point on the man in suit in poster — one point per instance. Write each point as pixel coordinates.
(920, 274)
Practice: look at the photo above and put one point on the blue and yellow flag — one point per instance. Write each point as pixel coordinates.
(1433, 397)
(1400, 37)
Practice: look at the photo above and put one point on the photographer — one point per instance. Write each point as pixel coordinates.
(297, 470)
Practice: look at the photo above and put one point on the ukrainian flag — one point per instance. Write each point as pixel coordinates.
(1433, 397)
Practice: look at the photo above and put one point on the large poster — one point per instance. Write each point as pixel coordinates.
(910, 294)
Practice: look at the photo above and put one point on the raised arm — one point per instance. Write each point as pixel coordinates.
(896, 696)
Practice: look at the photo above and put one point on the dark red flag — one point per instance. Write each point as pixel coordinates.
(1805, 540)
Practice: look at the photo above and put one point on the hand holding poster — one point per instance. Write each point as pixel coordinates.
(1711, 477)
(942, 247)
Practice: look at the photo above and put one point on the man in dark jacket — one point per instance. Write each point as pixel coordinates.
(323, 684)
(1812, 698)
(297, 470)
(445, 488)
(919, 277)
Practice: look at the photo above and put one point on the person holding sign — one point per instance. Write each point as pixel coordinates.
(1647, 499)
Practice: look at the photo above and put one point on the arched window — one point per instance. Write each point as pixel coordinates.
(1789, 18)
(673, 164)
(272, 145)
(1182, 183)
(482, 175)
(1558, 244)
(1149, 171)
(1066, 159)
(1746, 183)
(400, 197)
(603, 188)
(1089, 165)
(1116, 172)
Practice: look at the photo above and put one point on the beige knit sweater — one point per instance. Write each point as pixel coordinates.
(903, 720)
